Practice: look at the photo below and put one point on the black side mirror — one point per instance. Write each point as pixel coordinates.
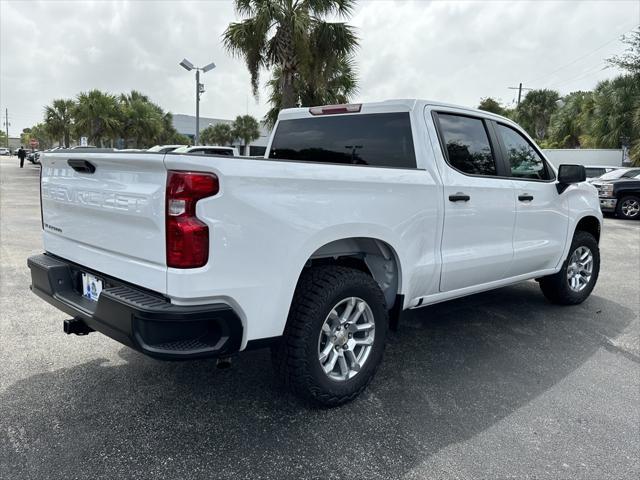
(569, 174)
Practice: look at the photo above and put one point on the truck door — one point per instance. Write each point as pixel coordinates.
(541, 212)
(480, 210)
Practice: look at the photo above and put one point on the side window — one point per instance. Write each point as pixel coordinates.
(521, 156)
(467, 144)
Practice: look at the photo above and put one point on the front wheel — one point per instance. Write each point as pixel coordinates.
(578, 275)
(335, 335)
(628, 207)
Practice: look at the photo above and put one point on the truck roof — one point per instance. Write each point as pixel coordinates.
(393, 105)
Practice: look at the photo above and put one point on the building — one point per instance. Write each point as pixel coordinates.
(586, 156)
(186, 125)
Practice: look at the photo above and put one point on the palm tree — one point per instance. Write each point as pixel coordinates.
(142, 120)
(278, 33)
(59, 121)
(336, 83)
(246, 128)
(567, 126)
(218, 134)
(614, 105)
(534, 112)
(97, 115)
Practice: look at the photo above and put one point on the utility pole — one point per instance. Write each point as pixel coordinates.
(519, 88)
(6, 123)
(197, 139)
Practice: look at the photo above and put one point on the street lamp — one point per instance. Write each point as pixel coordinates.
(188, 66)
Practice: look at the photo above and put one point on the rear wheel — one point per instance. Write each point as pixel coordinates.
(335, 335)
(629, 207)
(578, 275)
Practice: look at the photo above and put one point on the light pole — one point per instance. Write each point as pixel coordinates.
(188, 66)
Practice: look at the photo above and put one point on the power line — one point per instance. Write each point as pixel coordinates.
(617, 37)
(581, 75)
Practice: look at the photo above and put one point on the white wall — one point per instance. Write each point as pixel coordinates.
(584, 156)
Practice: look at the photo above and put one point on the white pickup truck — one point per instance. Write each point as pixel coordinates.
(356, 213)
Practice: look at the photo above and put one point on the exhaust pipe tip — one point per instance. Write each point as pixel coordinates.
(223, 363)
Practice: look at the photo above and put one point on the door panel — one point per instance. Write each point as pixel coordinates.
(541, 227)
(477, 241)
(541, 213)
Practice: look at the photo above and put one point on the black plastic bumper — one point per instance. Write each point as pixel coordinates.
(137, 318)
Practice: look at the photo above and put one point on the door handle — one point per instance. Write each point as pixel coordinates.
(82, 166)
(459, 197)
(525, 198)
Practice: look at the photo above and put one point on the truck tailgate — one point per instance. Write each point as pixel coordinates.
(111, 219)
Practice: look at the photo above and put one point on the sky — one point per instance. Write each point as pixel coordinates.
(451, 51)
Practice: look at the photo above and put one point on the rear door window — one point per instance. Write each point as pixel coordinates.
(466, 144)
(378, 140)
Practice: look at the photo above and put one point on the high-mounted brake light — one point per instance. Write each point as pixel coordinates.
(187, 236)
(334, 109)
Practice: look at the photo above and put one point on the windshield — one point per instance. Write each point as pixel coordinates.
(622, 172)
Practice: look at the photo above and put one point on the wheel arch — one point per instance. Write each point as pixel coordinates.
(589, 224)
(371, 255)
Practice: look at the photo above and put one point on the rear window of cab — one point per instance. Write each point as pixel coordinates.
(377, 140)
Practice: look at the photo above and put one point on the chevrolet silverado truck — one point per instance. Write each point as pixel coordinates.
(356, 213)
(620, 195)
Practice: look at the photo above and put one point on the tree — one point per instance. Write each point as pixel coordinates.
(141, 120)
(38, 132)
(278, 33)
(629, 61)
(489, 104)
(568, 125)
(335, 83)
(97, 116)
(611, 117)
(534, 112)
(59, 120)
(247, 129)
(218, 134)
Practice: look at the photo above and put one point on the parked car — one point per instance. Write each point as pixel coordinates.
(34, 157)
(165, 148)
(621, 195)
(208, 150)
(5, 151)
(595, 171)
(357, 213)
(628, 172)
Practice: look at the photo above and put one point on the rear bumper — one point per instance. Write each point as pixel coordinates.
(135, 317)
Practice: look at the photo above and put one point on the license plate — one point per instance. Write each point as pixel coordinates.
(91, 287)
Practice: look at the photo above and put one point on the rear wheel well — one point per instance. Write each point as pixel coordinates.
(590, 225)
(369, 255)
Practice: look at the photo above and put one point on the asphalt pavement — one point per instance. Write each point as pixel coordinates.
(497, 385)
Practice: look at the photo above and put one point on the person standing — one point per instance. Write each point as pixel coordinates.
(22, 154)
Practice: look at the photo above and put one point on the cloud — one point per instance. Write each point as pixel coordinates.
(449, 51)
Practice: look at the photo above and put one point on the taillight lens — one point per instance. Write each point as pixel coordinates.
(187, 236)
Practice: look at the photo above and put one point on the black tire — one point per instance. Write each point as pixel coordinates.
(622, 202)
(295, 357)
(556, 287)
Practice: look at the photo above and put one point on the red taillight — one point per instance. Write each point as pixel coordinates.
(334, 109)
(187, 236)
